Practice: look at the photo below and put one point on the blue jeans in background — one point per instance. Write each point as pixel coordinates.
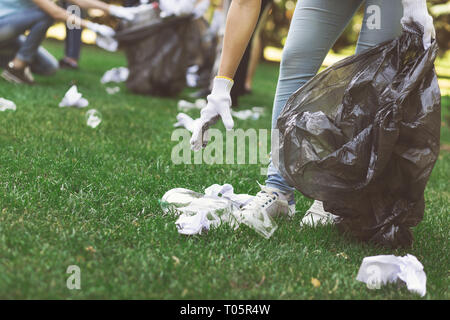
(14, 44)
(315, 27)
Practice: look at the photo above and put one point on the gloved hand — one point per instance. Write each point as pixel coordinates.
(101, 29)
(219, 103)
(416, 10)
(122, 12)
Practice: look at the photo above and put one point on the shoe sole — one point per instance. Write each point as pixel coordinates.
(12, 78)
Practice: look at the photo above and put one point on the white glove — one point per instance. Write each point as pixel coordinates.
(122, 12)
(416, 10)
(219, 103)
(101, 29)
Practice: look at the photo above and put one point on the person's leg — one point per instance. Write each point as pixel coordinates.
(72, 44)
(11, 27)
(44, 63)
(315, 26)
(37, 26)
(390, 13)
(256, 45)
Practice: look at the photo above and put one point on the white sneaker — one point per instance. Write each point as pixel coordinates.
(267, 204)
(273, 202)
(317, 215)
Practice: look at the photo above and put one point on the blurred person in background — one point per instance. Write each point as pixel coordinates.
(72, 43)
(21, 55)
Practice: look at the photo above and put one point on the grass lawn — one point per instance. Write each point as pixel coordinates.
(73, 195)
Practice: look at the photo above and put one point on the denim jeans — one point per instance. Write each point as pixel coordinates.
(73, 38)
(315, 27)
(14, 44)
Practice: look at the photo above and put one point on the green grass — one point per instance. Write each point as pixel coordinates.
(65, 187)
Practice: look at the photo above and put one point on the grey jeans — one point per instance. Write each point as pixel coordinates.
(315, 27)
(14, 44)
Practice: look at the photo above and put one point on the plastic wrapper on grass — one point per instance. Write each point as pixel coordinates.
(7, 105)
(93, 118)
(197, 213)
(363, 137)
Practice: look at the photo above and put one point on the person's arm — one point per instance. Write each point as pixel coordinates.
(113, 10)
(60, 14)
(92, 4)
(241, 22)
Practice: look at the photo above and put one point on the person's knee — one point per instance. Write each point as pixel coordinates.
(299, 62)
(45, 21)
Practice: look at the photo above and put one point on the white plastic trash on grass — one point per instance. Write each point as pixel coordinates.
(253, 113)
(93, 118)
(198, 213)
(7, 105)
(184, 105)
(112, 90)
(73, 98)
(115, 75)
(380, 270)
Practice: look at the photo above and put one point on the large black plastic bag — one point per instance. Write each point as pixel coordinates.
(159, 54)
(363, 137)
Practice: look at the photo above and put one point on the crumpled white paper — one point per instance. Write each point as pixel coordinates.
(383, 269)
(226, 191)
(115, 75)
(184, 105)
(73, 98)
(107, 43)
(7, 105)
(253, 113)
(191, 225)
(112, 90)
(185, 121)
(198, 213)
(93, 118)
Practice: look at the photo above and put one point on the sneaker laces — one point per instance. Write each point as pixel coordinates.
(263, 198)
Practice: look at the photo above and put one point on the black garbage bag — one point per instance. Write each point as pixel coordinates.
(159, 54)
(363, 137)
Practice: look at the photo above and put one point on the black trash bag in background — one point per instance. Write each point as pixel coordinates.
(363, 137)
(159, 54)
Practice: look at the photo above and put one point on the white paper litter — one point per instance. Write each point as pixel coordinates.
(112, 90)
(199, 213)
(253, 113)
(107, 43)
(115, 75)
(191, 225)
(185, 121)
(93, 118)
(7, 105)
(184, 105)
(192, 76)
(379, 270)
(73, 98)
(226, 191)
